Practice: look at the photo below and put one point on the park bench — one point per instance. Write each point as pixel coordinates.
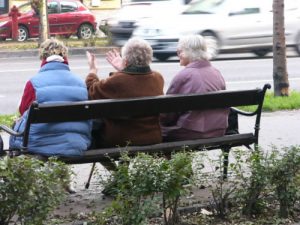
(147, 106)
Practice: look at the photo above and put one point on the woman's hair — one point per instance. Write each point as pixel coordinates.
(53, 47)
(193, 47)
(137, 52)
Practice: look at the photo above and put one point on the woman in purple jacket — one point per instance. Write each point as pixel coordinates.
(198, 76)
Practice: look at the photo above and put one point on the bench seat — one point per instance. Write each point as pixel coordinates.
(227, 141)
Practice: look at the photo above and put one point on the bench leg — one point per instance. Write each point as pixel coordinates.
(90, 176)
(225, 151)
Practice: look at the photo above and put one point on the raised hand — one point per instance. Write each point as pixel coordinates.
(92, 62)
(115, 59)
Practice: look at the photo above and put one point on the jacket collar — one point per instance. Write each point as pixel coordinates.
(54, 66)
(136, 70)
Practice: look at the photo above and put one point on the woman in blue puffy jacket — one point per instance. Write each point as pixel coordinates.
(54, 83)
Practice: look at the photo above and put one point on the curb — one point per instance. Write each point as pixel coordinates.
(72, 51)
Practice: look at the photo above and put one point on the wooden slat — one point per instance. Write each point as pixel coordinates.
(145, 106)
(97, 155)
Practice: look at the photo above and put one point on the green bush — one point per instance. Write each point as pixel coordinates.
(262, 187)
(146, 186)
(30, 189)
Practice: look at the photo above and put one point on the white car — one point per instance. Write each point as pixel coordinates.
(228, 26)
(121, 25)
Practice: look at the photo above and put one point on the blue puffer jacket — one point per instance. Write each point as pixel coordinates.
(55, 83)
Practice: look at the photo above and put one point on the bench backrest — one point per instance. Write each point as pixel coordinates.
(144, 106)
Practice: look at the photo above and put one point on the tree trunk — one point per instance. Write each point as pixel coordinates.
(280, 75)
(44, 26)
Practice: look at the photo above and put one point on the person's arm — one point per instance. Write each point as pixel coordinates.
(27, 98)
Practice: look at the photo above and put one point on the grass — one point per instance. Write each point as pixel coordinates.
(271, 104)
(8, 120)
(70, 42)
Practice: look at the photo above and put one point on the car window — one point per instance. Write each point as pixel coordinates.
(245, 11)
(204, 6)
(52, 7)
(68, 7)
(25, 8)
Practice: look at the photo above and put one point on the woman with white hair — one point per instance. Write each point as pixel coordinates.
(54, 82)
(134, 78)
(198, 76)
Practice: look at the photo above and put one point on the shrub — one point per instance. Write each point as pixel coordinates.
(146, 186)
(30, 189)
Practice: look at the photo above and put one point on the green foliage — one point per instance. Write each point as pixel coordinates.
(272, 103)
(8, 119)
(223, 189)
(69, 42)
(30, 189)
(284, 176)
(258, 184)
(255, 183)
(144, 183)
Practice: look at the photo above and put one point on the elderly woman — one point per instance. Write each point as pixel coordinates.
(54, 83)
(134, 78)
(198, 76)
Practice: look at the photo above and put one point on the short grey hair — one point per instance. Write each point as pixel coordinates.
(193, 47)
(52, 47)
(137, 52)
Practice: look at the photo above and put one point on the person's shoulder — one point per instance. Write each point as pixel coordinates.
(156, 73)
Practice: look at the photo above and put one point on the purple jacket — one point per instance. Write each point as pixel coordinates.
(198, 77)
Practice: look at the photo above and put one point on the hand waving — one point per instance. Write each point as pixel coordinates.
(92, 62)
(114, 58)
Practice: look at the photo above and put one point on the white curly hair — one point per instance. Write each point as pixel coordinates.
(53, 47)
(193, 47)
(137, 52)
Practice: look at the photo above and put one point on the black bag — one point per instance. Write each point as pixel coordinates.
(233, 123)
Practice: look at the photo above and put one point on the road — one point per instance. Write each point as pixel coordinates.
(239, 71)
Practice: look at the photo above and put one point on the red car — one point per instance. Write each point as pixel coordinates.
(65, 17)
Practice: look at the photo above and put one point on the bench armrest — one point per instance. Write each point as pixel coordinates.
(10, 131)
(244, 113)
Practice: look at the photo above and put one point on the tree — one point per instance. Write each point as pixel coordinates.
(40, 7)
(280, 75)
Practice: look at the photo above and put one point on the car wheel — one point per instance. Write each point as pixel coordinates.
(23, 33)
(261, 52)
(162, 57)
(85, 31)
(213, 45)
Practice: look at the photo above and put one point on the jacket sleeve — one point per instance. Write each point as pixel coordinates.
(27, 98)
(98, 88)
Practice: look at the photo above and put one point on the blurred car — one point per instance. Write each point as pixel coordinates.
(227, 25)
(120, 26)
(66, 17)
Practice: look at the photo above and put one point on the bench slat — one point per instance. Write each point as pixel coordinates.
(100, 155)
(146, 106)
